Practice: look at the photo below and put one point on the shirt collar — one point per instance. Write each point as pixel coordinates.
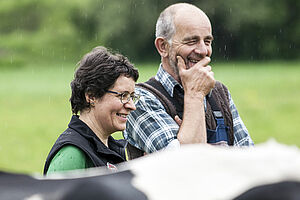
(167, 81)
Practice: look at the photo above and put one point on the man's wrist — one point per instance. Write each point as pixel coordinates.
(194, 96)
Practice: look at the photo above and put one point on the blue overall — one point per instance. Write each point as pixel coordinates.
(220, 135)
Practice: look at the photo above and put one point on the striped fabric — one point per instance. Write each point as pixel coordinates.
(150, 128)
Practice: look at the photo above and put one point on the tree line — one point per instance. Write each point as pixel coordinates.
(62, 30)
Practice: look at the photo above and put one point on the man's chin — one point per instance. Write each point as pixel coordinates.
(190, 65)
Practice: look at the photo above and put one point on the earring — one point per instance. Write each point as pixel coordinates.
(92, 103)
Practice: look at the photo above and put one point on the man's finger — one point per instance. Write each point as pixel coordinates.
(178, 120)
(208, 68)
(204, 61)
(180, 63)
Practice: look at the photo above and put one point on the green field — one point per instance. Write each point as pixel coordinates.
(34, 106)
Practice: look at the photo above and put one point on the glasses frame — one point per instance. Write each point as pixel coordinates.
(134, 97)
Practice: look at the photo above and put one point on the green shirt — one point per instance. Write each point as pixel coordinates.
(69, 157)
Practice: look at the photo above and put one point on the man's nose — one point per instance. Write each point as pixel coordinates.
(201, 49)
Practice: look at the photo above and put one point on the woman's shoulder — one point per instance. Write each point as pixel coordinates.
(69, 157)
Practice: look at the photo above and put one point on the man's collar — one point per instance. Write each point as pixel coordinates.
(167, 81)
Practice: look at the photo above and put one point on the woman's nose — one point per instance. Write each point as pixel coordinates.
(130, 105)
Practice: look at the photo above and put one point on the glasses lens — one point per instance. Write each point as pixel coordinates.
(135, 98)
(125, 97)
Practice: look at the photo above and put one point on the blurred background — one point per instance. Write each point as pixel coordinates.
(255, 53)
(61, 30)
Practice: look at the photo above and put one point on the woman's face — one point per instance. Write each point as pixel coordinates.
(109, 112)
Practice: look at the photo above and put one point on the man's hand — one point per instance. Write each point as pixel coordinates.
(178, 120)
(198, 80)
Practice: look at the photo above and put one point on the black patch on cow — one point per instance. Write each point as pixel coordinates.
(115, 186)
(286, 190)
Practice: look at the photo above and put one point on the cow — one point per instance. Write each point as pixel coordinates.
(200, 171)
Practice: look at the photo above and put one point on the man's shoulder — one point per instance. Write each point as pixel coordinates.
(146, 95)
(220, 92)
(221, 88)
(219, 84)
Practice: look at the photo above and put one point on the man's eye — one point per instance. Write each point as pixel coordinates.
(207, 42)
(191, 42)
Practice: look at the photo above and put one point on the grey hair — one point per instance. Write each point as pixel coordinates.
(165, 26)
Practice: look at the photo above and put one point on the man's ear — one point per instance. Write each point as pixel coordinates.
(162, 46)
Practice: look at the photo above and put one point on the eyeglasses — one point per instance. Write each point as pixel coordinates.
(126, 96)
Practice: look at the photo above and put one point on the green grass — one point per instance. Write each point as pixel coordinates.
(34, 106)
(267, 96)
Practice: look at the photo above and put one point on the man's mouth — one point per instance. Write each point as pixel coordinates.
(191, 62)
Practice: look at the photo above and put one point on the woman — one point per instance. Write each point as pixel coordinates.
(103, 94)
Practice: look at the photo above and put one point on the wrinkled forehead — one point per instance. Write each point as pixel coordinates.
(191, 17)
(193, 24)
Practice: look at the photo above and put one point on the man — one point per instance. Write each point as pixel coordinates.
(183, 40)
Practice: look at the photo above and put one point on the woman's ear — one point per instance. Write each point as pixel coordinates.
(89, 99)
(162, 46)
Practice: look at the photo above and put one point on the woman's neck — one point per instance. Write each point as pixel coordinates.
(89, 119)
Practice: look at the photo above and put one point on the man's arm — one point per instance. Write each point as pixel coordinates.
(240, 132)
(197, 83)
(150, 128)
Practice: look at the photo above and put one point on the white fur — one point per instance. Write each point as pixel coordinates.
(206, 171)
(210, 172)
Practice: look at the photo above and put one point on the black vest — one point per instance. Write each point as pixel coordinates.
(81, 136)
(218, 101)
(218, 117)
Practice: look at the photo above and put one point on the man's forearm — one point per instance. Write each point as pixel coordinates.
(197, 81)
(193, 128)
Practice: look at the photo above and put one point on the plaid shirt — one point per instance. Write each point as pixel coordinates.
(150, 128)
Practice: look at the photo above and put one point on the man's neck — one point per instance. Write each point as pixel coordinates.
(167, 67)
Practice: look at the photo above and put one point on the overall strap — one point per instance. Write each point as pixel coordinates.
(221, 132)
(156, 88)
(215, 108)
(218, 111)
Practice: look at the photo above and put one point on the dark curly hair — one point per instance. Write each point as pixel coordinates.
(96, 73)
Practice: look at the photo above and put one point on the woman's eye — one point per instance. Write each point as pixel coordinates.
(125, 95)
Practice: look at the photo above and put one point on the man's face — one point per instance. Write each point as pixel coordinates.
(192, 40)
